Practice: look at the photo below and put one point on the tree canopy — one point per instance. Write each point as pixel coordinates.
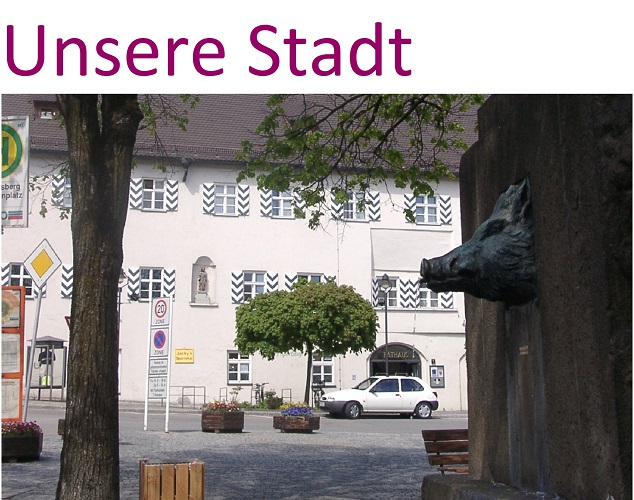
(310, 145)
(332, 318)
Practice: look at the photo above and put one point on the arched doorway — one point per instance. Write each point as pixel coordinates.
(401, 359)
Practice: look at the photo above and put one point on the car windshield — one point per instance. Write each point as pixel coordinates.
(366, 383)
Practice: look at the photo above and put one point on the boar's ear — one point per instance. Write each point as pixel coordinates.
(520, 209)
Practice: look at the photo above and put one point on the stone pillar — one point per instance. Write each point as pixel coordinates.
(550, 384)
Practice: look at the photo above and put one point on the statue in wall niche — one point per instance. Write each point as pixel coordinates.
(498, 262)
(202, 280)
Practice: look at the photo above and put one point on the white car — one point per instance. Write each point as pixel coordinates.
(407, 395)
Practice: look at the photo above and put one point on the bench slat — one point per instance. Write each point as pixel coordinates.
(447, 446)
(446, 434)
(447, 459)
(461, 470)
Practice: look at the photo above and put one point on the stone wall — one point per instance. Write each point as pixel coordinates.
(550, 406)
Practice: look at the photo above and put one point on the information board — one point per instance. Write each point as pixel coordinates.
(12, 349)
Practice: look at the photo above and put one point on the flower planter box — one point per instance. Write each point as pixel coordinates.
(293, 423)
(17, 448)
(171, 481)
(222, 421)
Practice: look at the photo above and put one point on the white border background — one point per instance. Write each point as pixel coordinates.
(457, 46)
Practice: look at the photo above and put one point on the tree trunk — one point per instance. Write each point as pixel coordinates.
(101, 136)
(309, 374)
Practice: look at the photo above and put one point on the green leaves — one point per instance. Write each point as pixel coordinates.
(334, 319)
(312, 145)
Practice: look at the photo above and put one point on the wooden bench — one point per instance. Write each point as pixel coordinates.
(448, 449)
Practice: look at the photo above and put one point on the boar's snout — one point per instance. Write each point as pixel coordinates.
(450, 272)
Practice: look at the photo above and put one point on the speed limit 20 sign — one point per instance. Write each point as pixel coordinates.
(161, 312)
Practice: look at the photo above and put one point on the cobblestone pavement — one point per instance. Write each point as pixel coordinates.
(256, 464)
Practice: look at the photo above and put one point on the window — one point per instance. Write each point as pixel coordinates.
(254, 284)
(322, 369)
(411, 385)
(20, 277)
(353, 208)
(238, 368)
(151, 282)
(427, 298)
(225, 199)
(282, 204)
(153, 194)
(309, 277)
(46, 110)
(388, 385)
(426, 210)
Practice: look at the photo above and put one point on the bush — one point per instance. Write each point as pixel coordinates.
(274, 402)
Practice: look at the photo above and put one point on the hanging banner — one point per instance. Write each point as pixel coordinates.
(15, 171)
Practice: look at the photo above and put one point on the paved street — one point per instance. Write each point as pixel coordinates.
(374, 457)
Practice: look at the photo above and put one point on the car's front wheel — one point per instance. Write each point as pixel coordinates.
(352, 410)
(423, 410)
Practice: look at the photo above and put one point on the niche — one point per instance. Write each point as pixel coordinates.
(203, 282)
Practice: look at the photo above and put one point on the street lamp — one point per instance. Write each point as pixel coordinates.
(123, 279)
(386, 286)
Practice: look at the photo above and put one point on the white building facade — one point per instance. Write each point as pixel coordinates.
(186, 220)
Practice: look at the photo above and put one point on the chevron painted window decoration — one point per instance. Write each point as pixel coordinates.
(155, 195)
(407, 294)
(225, 199)
(61, 192)
(147, 283)
(15, 274)
(247, 284)
(432, 210)
(352, 211)
(67, 281)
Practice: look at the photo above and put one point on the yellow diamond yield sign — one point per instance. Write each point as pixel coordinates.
(42, 263)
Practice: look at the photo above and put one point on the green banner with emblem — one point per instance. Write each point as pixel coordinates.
(15, 171)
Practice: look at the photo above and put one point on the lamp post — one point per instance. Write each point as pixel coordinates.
(123, 279)
(386, 286)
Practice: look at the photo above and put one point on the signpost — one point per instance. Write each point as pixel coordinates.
(41, 264)
(159, 345)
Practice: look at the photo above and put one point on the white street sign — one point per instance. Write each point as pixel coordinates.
(157, 387)
(160, 312)
(158, 366)
(159, 348)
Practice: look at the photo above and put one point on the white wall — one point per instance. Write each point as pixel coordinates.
(354, 252)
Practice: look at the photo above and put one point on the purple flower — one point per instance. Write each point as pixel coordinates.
(21, 429)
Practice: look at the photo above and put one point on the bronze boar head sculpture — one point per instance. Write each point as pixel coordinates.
(498, 262)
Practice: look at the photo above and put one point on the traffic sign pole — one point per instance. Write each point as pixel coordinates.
(29, 368)
(169, 359)
(159, 355)
(40, 265)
